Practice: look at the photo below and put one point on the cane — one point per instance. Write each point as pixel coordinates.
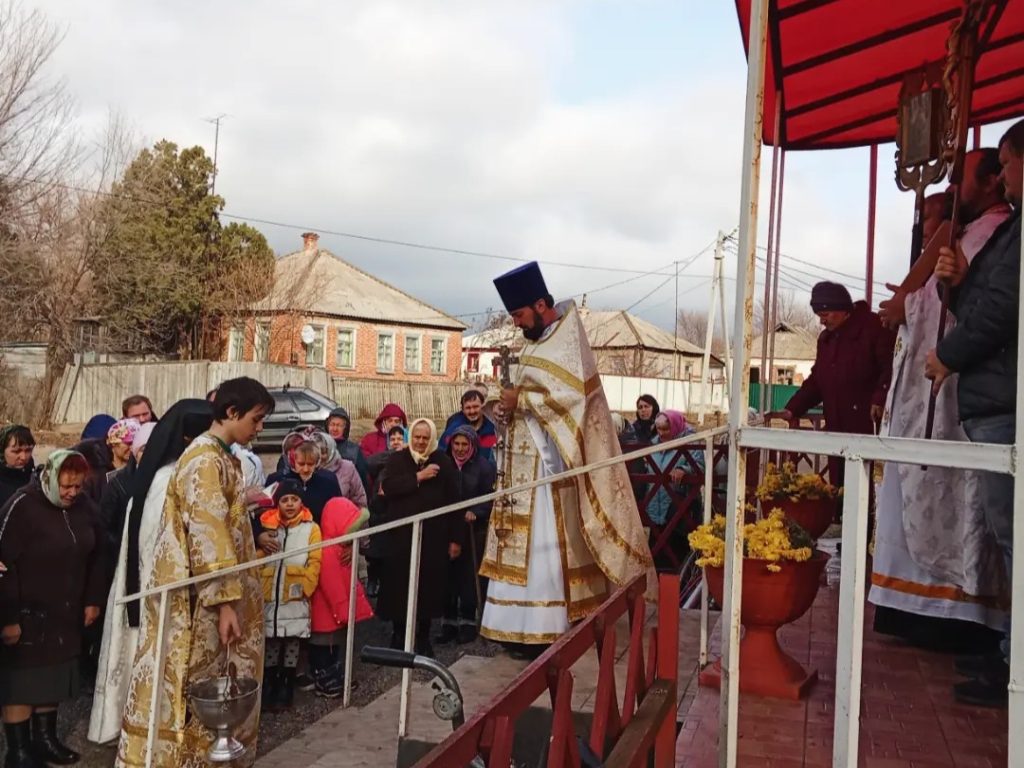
(476, 576)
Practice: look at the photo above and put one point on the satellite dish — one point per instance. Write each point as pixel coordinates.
(307, 335)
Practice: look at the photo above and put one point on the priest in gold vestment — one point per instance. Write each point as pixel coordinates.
(204, 528)
(555, 553)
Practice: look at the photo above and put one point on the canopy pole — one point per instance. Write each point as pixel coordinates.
(976, 135)
(775, 281)
(767, 303)
(869, 277)
(753, 129)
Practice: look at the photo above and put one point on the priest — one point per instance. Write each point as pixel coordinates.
(555, 553)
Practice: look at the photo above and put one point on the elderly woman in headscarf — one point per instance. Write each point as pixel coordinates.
(186, 420)
(671, 425)
(417, 479)
(52, 590)
(16, 463)
(476, 478)
(647, 410)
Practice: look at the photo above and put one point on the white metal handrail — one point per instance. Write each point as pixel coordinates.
(416, 522)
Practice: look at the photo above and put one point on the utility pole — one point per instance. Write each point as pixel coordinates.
(675, 330)
(216, 145)
(709, 333)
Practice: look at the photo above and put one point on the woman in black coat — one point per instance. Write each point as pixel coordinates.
(51, 592)
(16, 465)
(418, 479)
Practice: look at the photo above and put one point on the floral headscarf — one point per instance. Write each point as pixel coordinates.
(49, 477)
(421, 458)
(123, 431)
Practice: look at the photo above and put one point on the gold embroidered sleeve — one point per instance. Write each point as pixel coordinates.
(208, 524)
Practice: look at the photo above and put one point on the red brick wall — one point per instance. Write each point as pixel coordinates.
(286, 347)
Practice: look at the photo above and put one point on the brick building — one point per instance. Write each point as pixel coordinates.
(325, 312)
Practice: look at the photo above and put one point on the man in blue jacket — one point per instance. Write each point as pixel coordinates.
(982, 349)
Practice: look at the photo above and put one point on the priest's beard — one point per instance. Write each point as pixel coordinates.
(536, 328)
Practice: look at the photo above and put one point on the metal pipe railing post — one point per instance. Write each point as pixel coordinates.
(350, 634)
(735, 502)
(158, 678)
(410, 625)
(850, 640)
(709, 485)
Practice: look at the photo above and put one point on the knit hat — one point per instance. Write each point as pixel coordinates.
(287, 487)
(830, 297)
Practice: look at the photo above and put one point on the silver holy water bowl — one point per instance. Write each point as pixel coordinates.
(222, 704)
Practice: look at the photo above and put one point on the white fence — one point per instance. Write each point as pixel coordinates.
(672, 394)
(90, 388)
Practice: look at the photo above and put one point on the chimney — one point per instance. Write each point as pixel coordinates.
(309, 241)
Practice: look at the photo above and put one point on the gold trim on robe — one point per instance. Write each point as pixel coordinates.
(601, 539)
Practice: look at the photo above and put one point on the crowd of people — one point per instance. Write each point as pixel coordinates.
(103, 507)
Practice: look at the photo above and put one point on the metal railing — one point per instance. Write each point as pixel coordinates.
(416, 523)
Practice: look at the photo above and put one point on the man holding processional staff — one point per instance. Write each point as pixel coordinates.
(556, 552)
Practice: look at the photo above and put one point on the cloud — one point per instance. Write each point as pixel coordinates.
(445, 124)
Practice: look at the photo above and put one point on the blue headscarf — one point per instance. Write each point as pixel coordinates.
(98, 426)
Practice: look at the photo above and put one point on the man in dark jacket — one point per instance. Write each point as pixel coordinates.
(852, 369)
(472, 415)
(982, 349)
(338, 426)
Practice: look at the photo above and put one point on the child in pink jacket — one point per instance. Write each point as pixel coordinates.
(329, 604)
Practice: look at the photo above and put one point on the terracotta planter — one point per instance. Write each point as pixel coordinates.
(813, 515)
(770, 600)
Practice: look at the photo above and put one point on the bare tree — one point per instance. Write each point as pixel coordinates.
(36, 143)
(692, 325)
(790, 310)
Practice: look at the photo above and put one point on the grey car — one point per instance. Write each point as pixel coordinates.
(293, 407)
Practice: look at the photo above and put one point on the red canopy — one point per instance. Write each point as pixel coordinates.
(837, 65)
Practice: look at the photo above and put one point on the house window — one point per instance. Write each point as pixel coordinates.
(413, 354)
(785, 375)
(385, 352)
(473, 362)
(315, 351)
(261, 343)
(438, 355)
(236, 344)
(345, 348)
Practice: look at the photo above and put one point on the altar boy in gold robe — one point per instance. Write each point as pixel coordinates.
(204, 528)
(555, 553)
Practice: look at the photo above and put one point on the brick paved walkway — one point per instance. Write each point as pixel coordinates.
(367, 736)
(908, 717)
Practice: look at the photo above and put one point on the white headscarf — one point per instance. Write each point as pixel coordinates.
(431, 444)
(141, 438)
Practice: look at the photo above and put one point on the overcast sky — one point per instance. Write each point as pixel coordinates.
(603, 133)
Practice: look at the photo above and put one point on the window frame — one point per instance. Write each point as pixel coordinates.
(337, 336)
(265, 357)
(236, 333)
(444, 355)
(322, 363)
(405, 352)
(390, 335)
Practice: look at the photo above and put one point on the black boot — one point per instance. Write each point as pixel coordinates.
(19, 747)
(286, 693)
(45, 743)
(271, 681)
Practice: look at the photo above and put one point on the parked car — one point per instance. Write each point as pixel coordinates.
(293, 407)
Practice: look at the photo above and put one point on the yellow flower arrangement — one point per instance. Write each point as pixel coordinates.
(773, 538)
(786, 482)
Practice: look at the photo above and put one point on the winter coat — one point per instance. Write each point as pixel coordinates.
(405, 498)
(117, 492)
(377, 441)
(54, 570)
(330, 601)
(348, 449)
(12, 480)
(661, 507)
(349, 482)
(487, 435)
(321, 487)
(982, 347)
(288, 584)
(851, 372)
(377, 503)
